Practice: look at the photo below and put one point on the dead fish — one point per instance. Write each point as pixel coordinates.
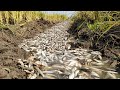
(27, 71)
(37, 63)
(88, 56)
(31, 58)
(74, 69)
(49, 76)
(58, 66)
(84, 74)
(111, 76)
(20, 61)
(98, 71)
(85, 69)
(68, 68)
(113, 72)
(76, 72)
(114, 63)
(94, 75)
(67, 46)
(98, 64)
(49, 72)
(73, 63)
(26, 66)
(89, 60)
(82, 77)
(39, 71)
(100, 57)
(60, 61)
(98, 61)
(96, 53)
(64, 58)
(71, 76)
(77, 78)
(30, 65)
(41, 63)
(106, 61)
(43, 53)
(59, 72)
(25, 61)
(34, 76)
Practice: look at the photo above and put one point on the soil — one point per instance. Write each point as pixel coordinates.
(10, 52)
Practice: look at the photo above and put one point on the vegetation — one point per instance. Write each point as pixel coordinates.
(55, 17)
(98, 20)
(100, 30)
(17, 17)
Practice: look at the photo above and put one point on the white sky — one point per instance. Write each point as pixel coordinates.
(68, 13)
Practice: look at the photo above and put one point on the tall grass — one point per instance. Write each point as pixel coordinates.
(16, 17)
(98, 20)
(101, 28)
(55, 17)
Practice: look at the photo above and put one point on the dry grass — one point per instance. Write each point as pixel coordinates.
(54, 17)
(17, 17)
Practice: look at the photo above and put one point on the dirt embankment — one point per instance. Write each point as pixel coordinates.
(108, 43)
(9, 51)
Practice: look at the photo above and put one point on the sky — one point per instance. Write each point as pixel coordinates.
(68, 13)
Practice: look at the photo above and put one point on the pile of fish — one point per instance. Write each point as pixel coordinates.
(50, 57)
(72, 64)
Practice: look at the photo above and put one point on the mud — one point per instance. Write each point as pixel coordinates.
(10, 37)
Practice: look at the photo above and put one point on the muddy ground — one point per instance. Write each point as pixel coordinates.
(10, 37)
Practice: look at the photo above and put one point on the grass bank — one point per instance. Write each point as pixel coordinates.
(98, 30)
